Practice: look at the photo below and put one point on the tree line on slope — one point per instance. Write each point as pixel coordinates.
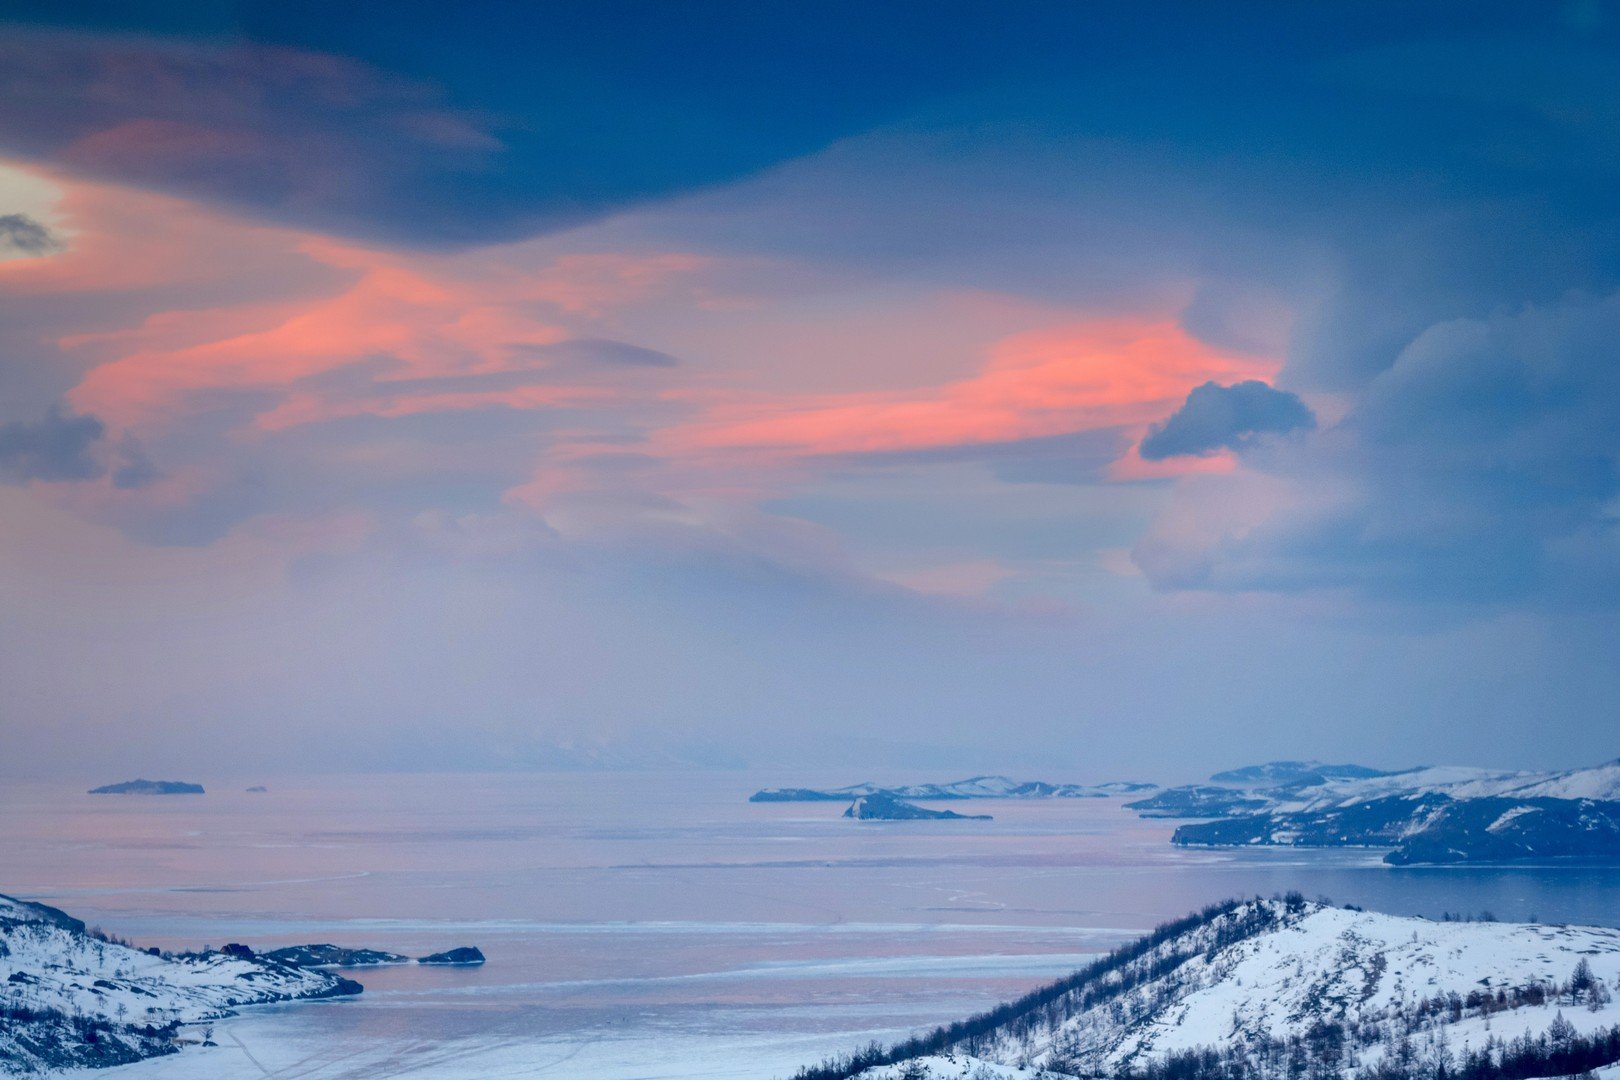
(1094, 984)
(1321, 1055)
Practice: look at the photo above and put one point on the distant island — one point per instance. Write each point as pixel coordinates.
(881, 806)
(149, 787)
(332, 956)
(1428, 815)
(464, 957)
(1196, 801)
(257, 789)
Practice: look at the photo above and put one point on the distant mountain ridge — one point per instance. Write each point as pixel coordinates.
(1277, 773)
(974, 787)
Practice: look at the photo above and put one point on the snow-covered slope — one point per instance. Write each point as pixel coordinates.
(1268, 980)
(1354, 967)
(1456, 781)
(1598, 782)
(67, 998)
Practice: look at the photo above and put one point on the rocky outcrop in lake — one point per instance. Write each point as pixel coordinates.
(149, 787)
(881, 806)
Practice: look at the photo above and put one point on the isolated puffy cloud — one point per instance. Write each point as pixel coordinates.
(1216, 417)
(25, 235)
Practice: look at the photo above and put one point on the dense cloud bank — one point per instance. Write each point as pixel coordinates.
(1482, 466)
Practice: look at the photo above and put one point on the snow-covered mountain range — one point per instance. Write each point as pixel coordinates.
(1290, 988)
(1428, 815)
(69, 998)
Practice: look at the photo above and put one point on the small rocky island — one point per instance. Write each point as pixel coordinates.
(149, 787)
(333, 956)
(322, 956)
(881, 806)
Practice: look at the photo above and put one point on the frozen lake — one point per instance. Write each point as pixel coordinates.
(651, 926)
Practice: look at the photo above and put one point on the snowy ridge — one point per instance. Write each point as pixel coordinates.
(68, 998)
(1601, 782)
(1276, 985)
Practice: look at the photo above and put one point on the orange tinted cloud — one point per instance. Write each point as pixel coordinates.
(1116, 372)
(421, 326)
(320, 328)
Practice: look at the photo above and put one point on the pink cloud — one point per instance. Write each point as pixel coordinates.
(306, 329)
(423, 326)
(1102, 373)
(299, 306)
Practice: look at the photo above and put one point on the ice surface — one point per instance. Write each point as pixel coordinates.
(652, 926)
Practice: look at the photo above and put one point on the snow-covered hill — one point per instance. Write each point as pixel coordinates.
(68, 998)
(1283, 987)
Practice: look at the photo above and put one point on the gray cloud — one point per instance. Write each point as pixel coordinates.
(603, 352)
(65, 446)
(59, 447)
(135, 470)
(1218, 417)
(21, 233)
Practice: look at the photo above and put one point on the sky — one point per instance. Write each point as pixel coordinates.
(1081, 391)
